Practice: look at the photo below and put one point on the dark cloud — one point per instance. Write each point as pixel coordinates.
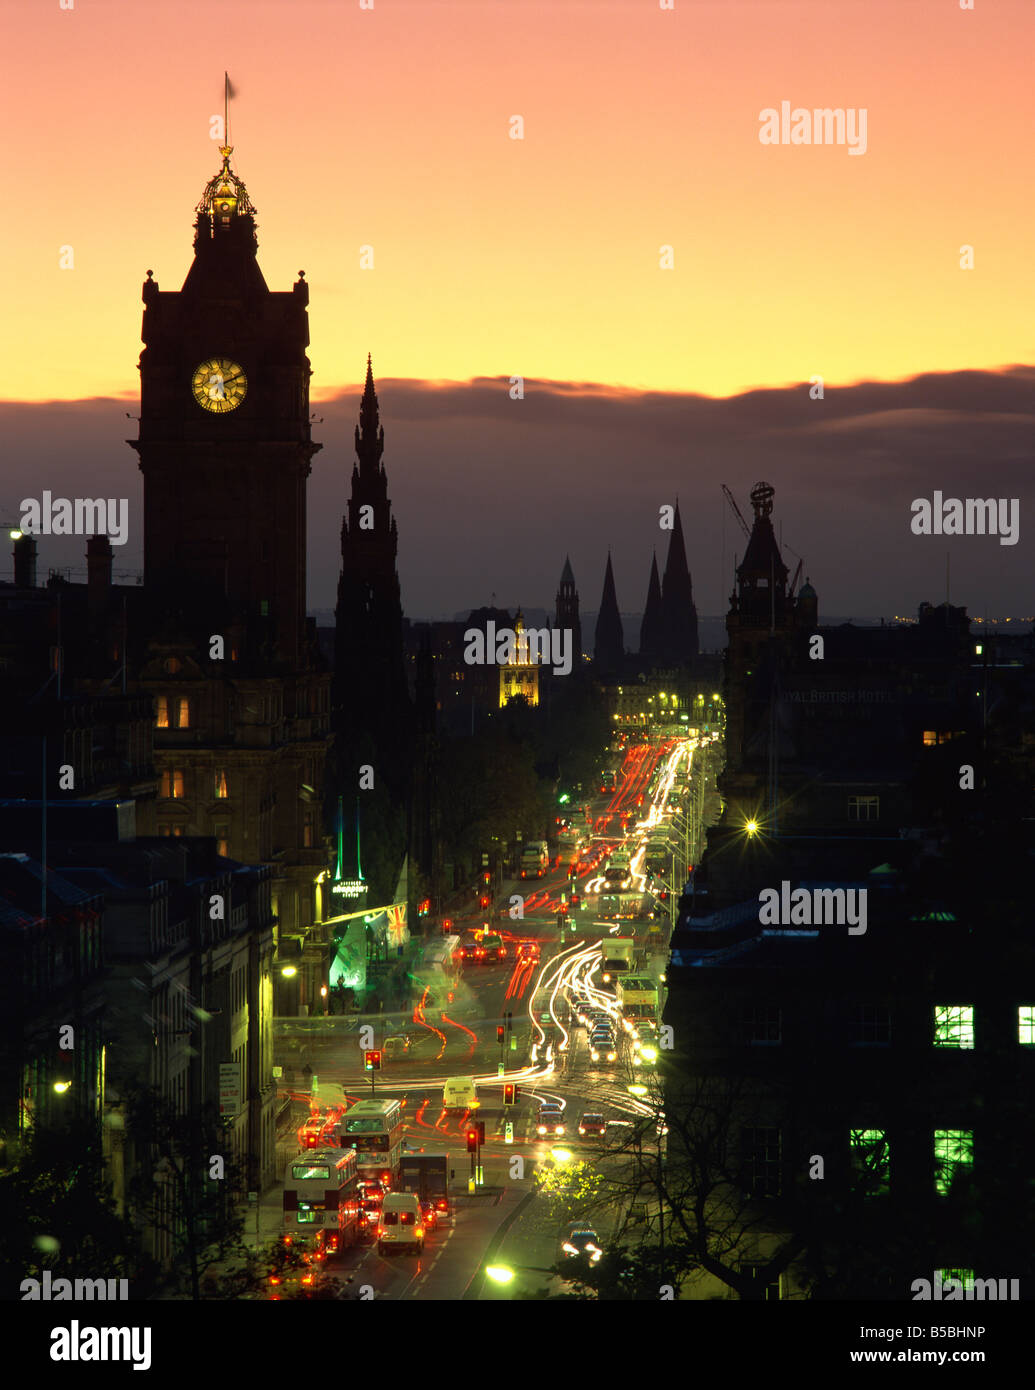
(491, 494)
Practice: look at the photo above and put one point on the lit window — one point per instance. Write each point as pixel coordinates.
(963, 1277)
(864, 808)
(172, 784)
(871, 1160)
(953, 1152)
(222, 834)
(221, 791)
(183, 714)
(161, 712)
(953, 1025)
(1026, 1024)
(172, 665)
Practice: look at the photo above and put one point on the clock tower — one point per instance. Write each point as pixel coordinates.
(241, 694)
(225, 445)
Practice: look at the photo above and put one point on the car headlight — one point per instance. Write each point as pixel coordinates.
(593, 1055)
(610, 1056)
(569, 1249)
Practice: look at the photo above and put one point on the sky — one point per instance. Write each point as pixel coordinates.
(544, 258)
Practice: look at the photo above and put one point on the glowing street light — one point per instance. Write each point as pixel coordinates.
(499, 1274)
(288, 970)
(62, 1086)
(561, 1155)
(637, 1090)
(751, 827)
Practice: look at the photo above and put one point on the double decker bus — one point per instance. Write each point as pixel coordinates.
(321, 1200)
(374, 1129)
(607, 781)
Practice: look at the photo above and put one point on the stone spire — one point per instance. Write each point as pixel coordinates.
(609, 640)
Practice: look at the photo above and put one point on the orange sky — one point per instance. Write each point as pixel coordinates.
(536, 257)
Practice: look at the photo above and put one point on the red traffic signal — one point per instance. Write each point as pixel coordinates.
(500, 1032)
(372, 1061)
(472, 1141)
(486, 877)
(510, 1093)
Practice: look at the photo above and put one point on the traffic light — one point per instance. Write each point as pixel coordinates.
(499, 1032)
(472, 1141)
(510, 1093)
(486, 877)
(480, 1131)
(372, 1061)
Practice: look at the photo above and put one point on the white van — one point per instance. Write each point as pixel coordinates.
(400, 1222)
(460, 1093)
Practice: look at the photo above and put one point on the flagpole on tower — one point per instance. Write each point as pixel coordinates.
(226, 106)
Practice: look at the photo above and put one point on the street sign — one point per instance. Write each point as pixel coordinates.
(499, 1068)
(508, 1133)
(229, 1090)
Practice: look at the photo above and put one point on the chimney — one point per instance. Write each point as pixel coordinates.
(98, 575)
(25, 562)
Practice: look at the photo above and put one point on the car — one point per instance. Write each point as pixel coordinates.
(603, 1052)
(593, 1124)
(550, 1120)
(369, 1214)
(582, 1240)
(602, 1034)
(397, 1045)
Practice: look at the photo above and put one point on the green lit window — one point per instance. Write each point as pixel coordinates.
(953, 1152)
(871, 1160)
(953, 1025)
(1026, 1024)
(965, 1277)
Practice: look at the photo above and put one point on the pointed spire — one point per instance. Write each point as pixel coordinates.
(678, 614)
(651, 626)
(609, 640)
(566, 613)
(370, 435)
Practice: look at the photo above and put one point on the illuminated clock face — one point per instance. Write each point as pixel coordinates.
(219, 385)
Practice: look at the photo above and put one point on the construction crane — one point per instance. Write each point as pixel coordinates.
(797, 572)
(736, 511)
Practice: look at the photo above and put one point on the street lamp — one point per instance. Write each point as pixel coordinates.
(499, 1274)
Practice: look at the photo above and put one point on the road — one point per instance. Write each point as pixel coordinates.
(453, 1031)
